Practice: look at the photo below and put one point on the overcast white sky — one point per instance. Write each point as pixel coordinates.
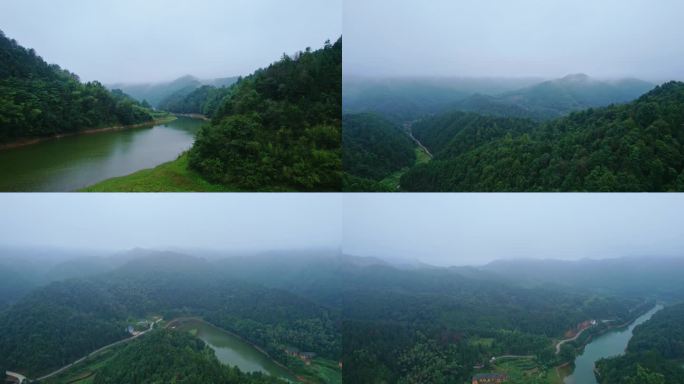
(155, 40)
(440, 229)
(232, 221)
(473, 229)
(515, 38)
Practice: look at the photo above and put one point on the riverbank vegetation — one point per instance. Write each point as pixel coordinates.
(654, 354)
(38, 99)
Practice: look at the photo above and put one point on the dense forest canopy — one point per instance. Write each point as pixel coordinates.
(654, 353)
(40, 99)
(374, 147)
(279, 128)
(631, 147)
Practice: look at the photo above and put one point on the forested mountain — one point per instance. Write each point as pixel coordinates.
(653, 276)
(66, 320)
(653, 355)
(404, 99)
(155, 93)
(555, 98)
(280, 127)
(40, 99)
(407, 99)
(172, 357)
(204, 100)
(374, 147)
(630, 147)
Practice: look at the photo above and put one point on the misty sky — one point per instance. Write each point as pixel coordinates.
(473, 229)
(156, 40)
(501, 38)
(209, 221)
(439, 229)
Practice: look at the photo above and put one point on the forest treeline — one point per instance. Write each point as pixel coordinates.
(279, 128)
(39, 99)
(653, 355)
(630, 147)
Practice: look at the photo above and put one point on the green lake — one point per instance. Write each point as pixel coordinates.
(609, 344)
(73, 162)
(231, 350)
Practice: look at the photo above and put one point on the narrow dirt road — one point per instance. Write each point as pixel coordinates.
(91, 354)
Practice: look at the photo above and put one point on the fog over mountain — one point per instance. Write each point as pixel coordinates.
(474, 38)
(475, 229)
(179, 221)
(158, 40)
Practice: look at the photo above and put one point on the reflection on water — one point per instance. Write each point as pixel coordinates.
(75, 162)
(231, 350)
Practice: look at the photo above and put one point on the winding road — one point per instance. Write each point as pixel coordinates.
(560, 343)
(409, 131)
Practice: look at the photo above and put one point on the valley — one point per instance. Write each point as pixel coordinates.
(276, 129)
(576, 134)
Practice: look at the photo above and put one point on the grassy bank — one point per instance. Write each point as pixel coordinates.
(174, 176)
(392, 181)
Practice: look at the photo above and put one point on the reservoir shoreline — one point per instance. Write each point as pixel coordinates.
(199, 319)
(30, 141)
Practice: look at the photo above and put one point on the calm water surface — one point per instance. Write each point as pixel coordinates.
(231, 350)
(75, 162)
(607, 345)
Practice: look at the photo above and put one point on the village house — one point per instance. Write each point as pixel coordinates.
(487, 378)
(306, 357)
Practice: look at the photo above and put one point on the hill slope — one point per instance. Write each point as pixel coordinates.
(631, 147)
(555, 98)
(280, 127)
(155, 93)
(374, 147)
(41, 99)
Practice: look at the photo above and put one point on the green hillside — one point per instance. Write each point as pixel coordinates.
(629, 147)
(38, 99)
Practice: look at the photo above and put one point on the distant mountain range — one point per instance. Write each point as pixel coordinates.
(156, 93)
(408, 99)
(555, 98)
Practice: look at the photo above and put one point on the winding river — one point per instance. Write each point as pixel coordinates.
(232, 350)
(609, 344)
(73, 162)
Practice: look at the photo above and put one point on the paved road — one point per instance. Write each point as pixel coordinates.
(558, 346)
(21, 378)
(409, 131)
